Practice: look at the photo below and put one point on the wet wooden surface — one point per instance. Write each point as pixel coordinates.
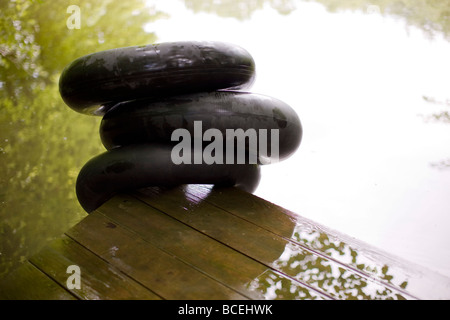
(195, 242)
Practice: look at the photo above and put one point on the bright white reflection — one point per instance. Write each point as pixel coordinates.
(197, 193)
(357, 81)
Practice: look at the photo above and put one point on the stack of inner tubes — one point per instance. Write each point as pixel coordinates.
(157, 100)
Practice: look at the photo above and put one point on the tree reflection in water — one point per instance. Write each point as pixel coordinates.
(39, 137)
(322, 264)
(306, 260)
(333, 278)
(43, 144)
(429, 15)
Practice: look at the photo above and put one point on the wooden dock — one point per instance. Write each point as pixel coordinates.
(198, 243)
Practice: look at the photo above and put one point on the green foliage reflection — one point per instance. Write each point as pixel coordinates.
(321, 265)
(432, 16)
(241, 9)
(43, 144)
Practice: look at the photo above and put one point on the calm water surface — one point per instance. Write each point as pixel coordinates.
(370, 86)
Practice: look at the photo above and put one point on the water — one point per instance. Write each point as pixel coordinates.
(371, 90)
(373, 162)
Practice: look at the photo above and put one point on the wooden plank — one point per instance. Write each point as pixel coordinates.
(165, 274)
(390, 271)
(220, 262)
(247, 206)
(194, 242)
(99, 280)
(187, 244)
(29, 283)
(311, 236)
(287, 257)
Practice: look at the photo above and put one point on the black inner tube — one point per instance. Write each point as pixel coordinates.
(106, 77)
(147, 93)
(150, 120)
(143, 165)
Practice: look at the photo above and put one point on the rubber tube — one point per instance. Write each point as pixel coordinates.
(150, 120)
(144, 165)
(93, 83)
